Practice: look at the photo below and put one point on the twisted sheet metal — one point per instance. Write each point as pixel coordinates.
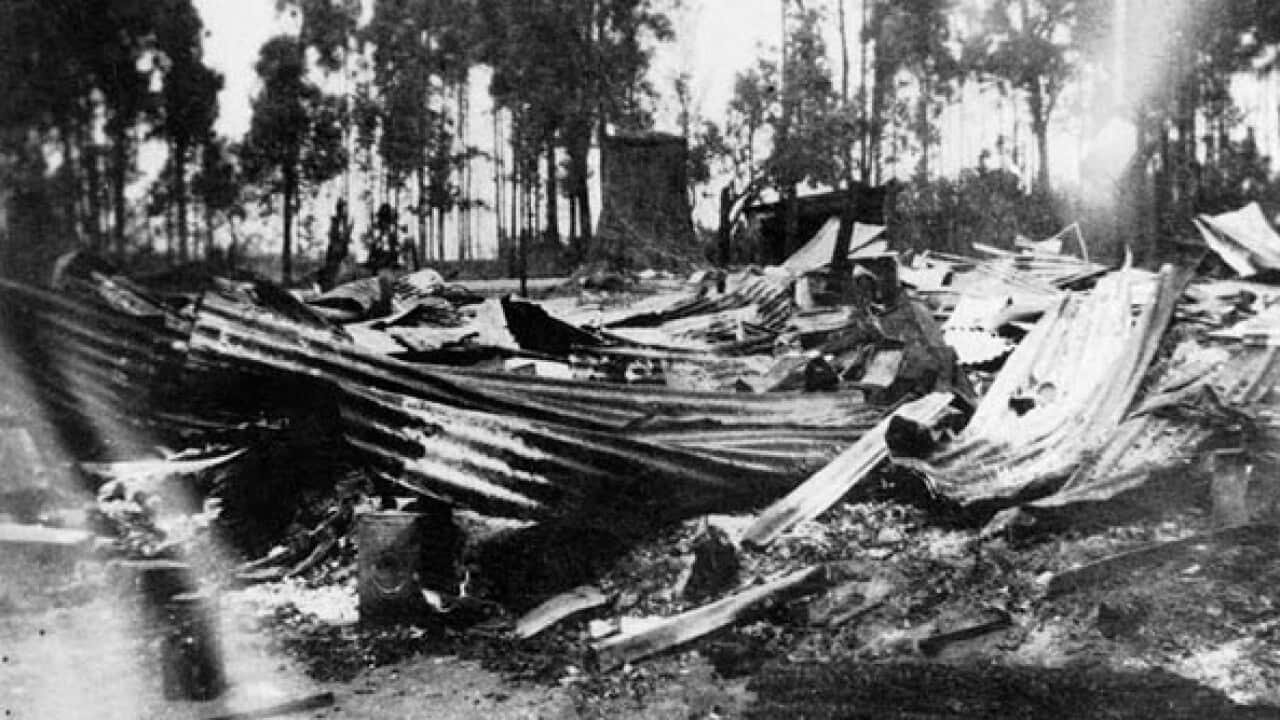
(130, 380)
(105, 367)
(522, 468)
(1080, 367)
(515, 446)
(771, 298)
(1171, 428)
(226, 331)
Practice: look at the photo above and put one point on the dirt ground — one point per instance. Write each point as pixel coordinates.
(1190, 633)
(97, 659)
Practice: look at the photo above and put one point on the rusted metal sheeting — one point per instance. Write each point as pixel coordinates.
(516, 467)
(1078, 370)
(226, 332)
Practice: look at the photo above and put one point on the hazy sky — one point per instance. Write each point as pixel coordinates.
(716, 38)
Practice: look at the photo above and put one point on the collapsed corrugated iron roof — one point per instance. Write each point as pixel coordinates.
(513, 466)
(91, 362)
(1211, 396)
(1063, 393)
(514, 445)
(225, 331)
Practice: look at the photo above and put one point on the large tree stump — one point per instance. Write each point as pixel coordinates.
(645, 217)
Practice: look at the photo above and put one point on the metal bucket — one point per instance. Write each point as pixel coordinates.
(390, 565)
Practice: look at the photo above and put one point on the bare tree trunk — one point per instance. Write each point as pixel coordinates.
(1163, 185)
(421, 211)
(723, 237)
(170, 232)
(579, 160)
(1184, 175)
(527, 230)
(844, 54)
(531, 202)
(440, 220)
(536, 207)
(864, 41)
(847, 150)
(93, 176)
(513, 200)
(71, 189)
(1040, 128)
(119, 176)
(1039, 112)
(499, 208)
(553, 204)
(460, 221)
(573, 220)
(208, 232)
(179, 163)
(923, 128)
(286, 251)
(791, 217)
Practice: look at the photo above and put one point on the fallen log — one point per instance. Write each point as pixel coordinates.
(560, 607)
(685, 627)
(834, 481)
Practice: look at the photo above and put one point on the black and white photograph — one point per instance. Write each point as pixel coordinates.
(639, 359)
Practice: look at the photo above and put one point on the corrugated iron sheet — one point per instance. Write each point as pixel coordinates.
(517, 467)
(109, 371)
(516, 446)
(1078, 370)
(95, 362)
(771, 297)
(1172, 427)
(233, 332)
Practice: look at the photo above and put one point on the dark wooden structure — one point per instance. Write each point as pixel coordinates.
(861, 203)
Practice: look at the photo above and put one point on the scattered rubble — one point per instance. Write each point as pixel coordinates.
(851, 459)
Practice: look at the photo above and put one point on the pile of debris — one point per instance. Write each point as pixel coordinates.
(1023, 389)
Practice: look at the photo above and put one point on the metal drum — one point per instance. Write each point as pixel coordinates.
(390, 565)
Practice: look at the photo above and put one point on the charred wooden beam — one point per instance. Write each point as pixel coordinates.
(834, 481)
(558, 608)
(688, 626)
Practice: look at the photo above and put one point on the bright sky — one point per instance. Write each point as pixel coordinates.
(235, 29)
